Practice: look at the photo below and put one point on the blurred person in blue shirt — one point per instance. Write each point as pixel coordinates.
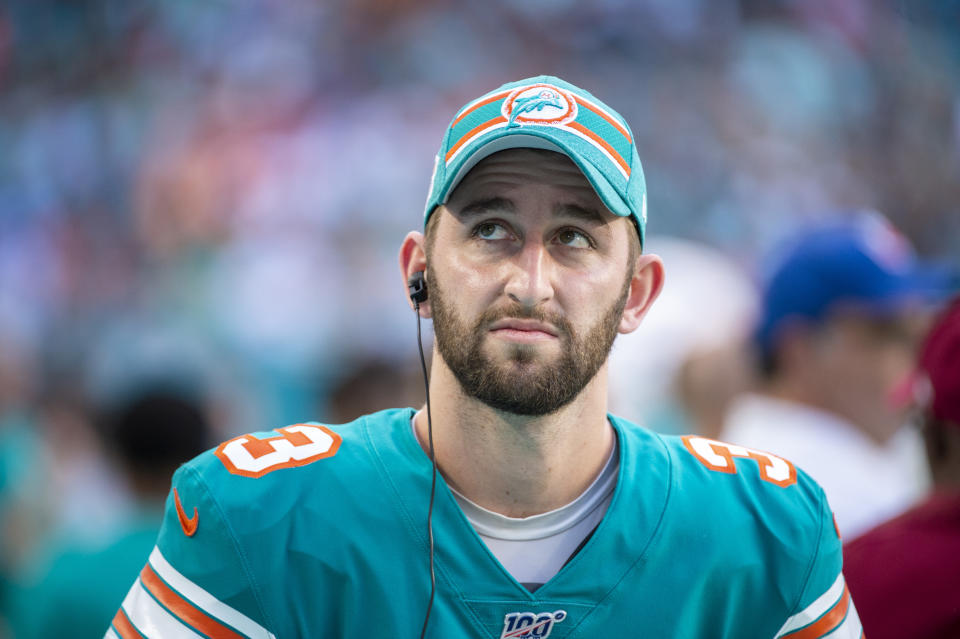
(842, 313)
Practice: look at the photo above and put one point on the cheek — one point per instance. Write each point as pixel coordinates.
(868, 372)
(587, 297)
(894, 363)
(468, 288)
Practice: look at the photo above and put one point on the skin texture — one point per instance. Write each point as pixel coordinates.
(530, 270)
(521, 382)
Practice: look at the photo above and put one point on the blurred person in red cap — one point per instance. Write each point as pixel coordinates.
(905, 574)
(843, 310)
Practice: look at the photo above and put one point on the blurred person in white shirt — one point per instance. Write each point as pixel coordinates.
(842, 312)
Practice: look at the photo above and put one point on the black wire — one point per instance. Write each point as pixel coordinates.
(433, 480)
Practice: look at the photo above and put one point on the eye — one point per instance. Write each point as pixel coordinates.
(491, 231)
(574, 239)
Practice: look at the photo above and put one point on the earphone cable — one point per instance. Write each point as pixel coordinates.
(433, 480)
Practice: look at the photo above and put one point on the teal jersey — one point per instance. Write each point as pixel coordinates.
(320, 531)
(78, 591)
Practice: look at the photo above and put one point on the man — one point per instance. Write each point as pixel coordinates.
(904, 572)
(550, 518)
(842, 312)
(72, 588)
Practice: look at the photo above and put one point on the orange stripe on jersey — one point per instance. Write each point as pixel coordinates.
(472, 132)
(828, 622)
(495, 96)
(183, 609)
(596, 138)
(613, 123)
(121, 623)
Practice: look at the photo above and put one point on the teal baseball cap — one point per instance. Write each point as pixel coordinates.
(546, 113)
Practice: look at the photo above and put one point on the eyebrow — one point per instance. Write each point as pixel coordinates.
(581, 213)
(480, 207)
(575, 211)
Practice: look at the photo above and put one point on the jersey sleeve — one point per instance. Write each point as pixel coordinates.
(825, 607)
(196, 582)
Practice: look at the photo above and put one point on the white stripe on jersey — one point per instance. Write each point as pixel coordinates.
(814, 611)
(205, 601)
(111, 634)
(851, 628)
(150, 618)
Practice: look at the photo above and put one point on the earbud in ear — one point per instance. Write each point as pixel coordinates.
(417, 286)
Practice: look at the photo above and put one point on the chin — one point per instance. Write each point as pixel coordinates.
(528, 364)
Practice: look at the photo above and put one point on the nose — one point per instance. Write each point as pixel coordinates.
(529, 283)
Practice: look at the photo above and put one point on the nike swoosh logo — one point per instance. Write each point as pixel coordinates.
(189, 524)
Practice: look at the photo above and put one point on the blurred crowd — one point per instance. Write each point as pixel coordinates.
(207, 199)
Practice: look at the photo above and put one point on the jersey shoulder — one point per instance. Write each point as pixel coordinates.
(298, 476)
(760, 522)
(704, 470)
(745, 478)
(763, 509)
(295, 459)
(238, 513)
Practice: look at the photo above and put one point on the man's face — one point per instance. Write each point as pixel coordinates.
(859, 360)
(528, 278)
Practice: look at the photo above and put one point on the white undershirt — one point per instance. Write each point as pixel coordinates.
(534, 549)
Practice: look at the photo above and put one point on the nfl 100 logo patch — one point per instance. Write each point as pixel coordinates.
(536, 625)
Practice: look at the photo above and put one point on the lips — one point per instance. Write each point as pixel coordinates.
(519, 326)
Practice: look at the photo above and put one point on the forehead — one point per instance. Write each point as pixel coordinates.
(515, 168)
(892, 325)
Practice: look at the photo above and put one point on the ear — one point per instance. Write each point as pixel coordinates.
(413, 258)
(645, 286)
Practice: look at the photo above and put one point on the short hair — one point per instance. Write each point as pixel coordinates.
(155, 429)
(430, 231)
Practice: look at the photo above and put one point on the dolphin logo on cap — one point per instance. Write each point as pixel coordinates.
(529, 104)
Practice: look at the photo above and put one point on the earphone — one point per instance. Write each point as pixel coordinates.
(417, 286)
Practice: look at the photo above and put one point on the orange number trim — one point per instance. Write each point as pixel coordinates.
(719, 456)
(296, 445)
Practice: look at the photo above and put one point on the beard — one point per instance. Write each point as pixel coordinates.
(521, 385)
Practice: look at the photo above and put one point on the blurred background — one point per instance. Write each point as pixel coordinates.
(208, 198)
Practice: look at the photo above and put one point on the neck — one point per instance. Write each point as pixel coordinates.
(517, 465)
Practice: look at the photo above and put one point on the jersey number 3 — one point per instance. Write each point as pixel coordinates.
(719, 456)
(296, 445)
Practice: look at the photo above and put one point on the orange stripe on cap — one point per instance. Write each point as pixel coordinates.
(123, 626)
(183, 609)
(596, 138)
(612, 121)
(492, 98)
(828, 622)
(472, 132)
